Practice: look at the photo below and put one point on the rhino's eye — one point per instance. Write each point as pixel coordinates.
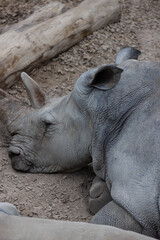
(47, 124)
(48, 120)
(13, 134)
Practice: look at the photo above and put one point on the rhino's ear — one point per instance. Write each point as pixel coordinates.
(34, 92)
(106, 77)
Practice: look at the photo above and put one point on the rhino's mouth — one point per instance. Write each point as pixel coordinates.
(18, 162)
(21, 163)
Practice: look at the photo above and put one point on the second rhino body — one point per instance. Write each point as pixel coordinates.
(112, 118)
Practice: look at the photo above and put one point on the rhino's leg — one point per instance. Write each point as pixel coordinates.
(99, 195)
(114, 215)
(8, 209)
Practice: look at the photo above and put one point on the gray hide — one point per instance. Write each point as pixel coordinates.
(27, 228)
(112, 117)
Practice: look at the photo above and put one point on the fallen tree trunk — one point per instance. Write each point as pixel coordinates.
(17, 228)
(49, 11)
(27, 47)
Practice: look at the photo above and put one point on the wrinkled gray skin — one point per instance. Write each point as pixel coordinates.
(112, 117)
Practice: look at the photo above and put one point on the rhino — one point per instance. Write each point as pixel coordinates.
(15, 227)
(112, 119)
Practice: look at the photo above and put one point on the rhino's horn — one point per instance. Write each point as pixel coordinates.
(34, 92)
(3, 94)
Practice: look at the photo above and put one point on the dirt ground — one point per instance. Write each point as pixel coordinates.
(65, 196)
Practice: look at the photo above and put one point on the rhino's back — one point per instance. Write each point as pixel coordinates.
(133, 158)
(138, 75)
(133, 165)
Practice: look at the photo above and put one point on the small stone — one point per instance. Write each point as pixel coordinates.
(65, 199)
(40, 194)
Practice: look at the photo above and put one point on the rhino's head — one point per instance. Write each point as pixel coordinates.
(55, 135)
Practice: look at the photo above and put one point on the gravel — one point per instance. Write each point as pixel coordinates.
(65, 196)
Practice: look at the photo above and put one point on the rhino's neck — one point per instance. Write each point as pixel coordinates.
(111, 119)
(81, 122)
(77, 130)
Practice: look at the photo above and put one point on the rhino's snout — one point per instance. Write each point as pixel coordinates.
(14, 157)
(17, 160)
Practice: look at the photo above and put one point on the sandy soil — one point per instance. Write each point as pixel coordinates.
(65, 196)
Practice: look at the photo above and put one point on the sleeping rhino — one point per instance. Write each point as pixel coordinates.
(112, 118)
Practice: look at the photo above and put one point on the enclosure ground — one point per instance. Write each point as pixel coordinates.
(65, 196)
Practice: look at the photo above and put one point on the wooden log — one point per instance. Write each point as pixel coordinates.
(27, 47)
(50, 10)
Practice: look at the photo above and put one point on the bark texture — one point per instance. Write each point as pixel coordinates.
(51, 10)
(27, 46)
